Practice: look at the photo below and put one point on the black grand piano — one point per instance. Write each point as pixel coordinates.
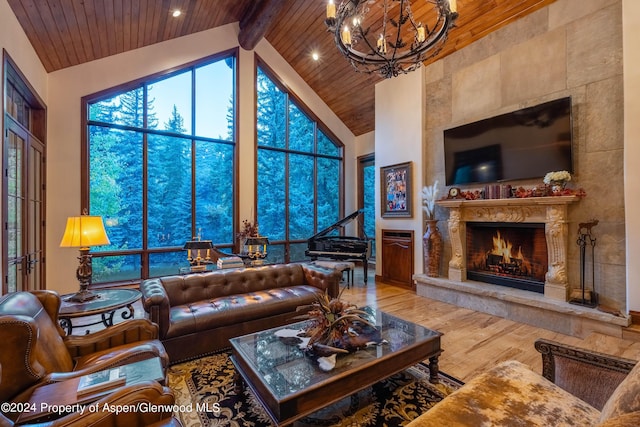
(328, 244)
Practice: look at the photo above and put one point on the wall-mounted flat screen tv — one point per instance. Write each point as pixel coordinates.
(522, 144)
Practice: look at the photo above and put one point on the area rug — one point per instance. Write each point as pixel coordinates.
(206, 396)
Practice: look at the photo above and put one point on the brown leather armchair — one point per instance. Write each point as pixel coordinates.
(151, 393)
(35, 350)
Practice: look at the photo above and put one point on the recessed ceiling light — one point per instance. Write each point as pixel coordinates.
(315, 56)
(176, 13)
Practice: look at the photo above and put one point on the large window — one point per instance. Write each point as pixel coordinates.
(299, 171)
(161, 168)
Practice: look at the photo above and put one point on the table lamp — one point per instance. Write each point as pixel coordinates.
(83, 232)
(195, 256)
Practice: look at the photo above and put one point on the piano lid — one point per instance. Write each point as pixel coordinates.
(339, 224)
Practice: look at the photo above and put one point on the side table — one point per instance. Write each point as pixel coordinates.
(106, 304)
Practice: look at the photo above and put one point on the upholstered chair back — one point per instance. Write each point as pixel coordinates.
(31, 338)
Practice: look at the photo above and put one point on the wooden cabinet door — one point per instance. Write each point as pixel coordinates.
(397, 257)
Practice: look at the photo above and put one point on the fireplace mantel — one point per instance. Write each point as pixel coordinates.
(551, 211)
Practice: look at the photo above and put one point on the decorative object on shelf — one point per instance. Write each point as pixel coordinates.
(432, 239)
(545, 191)
(195, 249)
(584, 296)
(454, 193)
(84, 232)
(384, 37)
(395, 186)
(557, 180)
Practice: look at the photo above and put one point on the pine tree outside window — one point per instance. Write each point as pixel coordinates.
(155, 151)
(299, 171)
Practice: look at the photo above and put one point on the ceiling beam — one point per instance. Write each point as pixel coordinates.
(255, 23)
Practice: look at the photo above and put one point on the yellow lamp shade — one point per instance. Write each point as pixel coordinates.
(84, 231)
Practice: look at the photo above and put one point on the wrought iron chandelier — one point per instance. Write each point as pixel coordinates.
(382, 36)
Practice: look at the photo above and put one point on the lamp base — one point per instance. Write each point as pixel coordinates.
(83, 295)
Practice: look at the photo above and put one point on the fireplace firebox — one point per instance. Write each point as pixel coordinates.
(507, 254)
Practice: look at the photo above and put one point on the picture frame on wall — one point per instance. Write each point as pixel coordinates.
(395, 186)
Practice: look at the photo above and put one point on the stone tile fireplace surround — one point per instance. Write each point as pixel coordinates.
(549, 310)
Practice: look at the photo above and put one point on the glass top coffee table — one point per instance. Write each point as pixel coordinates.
(289, 384)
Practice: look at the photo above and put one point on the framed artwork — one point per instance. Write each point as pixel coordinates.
(395, 186)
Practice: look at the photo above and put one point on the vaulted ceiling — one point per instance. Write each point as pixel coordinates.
(70, 32)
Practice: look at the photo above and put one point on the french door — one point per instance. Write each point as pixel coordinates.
(23, 189)
(24, 222)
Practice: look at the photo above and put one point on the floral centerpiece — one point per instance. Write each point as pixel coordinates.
(559, 178)
(337, 326)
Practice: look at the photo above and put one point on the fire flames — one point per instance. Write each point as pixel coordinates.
(503, 259)
(503, 248)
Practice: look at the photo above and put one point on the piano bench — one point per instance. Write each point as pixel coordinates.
(341, 266)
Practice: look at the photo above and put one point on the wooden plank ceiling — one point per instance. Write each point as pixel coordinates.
(70, 32)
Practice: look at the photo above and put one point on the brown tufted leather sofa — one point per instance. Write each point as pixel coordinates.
(35, 351)
(198, 313)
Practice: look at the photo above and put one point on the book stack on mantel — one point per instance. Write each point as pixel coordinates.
(230, 262)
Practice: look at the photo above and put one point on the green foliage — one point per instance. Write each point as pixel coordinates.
(298, 183)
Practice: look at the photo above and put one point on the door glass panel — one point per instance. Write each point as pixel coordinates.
(34, 219)
(15, 203)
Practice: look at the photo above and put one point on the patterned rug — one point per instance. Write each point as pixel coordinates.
(206, 396)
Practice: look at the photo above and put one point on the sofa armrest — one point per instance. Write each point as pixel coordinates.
(155, 301)
(323, 278)
(130, 331)
(589, 375)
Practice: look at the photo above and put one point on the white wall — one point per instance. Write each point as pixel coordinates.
(67, 86)
(17, 45)
(398, 139)
(631, 65)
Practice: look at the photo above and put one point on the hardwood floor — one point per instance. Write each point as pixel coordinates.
(472, 341)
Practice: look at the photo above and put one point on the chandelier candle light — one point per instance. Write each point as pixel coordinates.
(382, 36)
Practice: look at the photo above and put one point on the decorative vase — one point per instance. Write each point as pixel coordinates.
(432, 247)
(557, 186)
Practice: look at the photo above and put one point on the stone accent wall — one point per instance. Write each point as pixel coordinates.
(570, 48)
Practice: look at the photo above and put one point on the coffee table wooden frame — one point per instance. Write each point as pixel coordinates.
(310, 399)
